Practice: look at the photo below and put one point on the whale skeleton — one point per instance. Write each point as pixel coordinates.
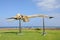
(25, 18)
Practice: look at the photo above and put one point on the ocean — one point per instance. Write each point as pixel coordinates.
(29, 26)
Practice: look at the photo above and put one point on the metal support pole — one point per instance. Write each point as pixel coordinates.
(43, 26)
(19, 26)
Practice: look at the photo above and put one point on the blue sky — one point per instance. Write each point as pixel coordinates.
(9, 8)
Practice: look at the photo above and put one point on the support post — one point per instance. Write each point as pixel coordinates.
(43, 27)
(19, 26)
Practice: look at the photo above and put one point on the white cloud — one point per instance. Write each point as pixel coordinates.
(48, 4)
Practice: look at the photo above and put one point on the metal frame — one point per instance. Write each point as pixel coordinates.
(44, 25)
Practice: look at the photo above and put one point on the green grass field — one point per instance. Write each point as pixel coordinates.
(29, 35)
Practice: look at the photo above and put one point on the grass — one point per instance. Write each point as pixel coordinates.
(29, 35)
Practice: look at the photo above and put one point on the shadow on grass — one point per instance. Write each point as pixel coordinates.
(38, 32)
(9, 32)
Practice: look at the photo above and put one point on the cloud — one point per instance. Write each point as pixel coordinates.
(48, 4)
